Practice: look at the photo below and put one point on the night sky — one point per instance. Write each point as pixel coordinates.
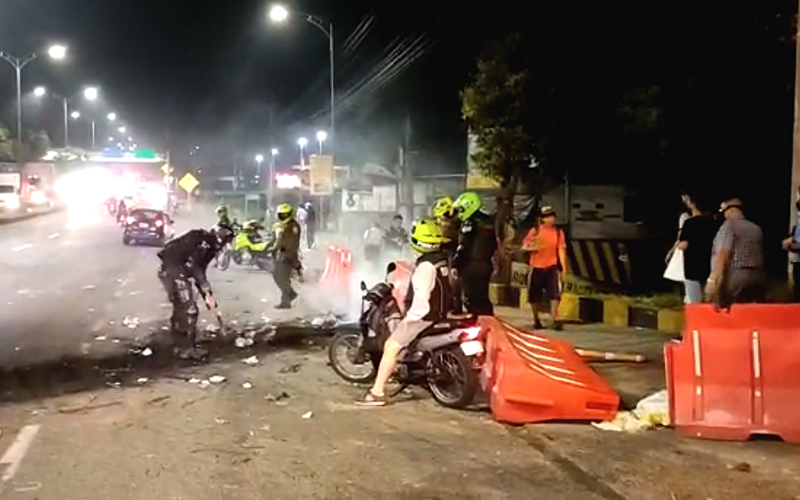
(220, 75)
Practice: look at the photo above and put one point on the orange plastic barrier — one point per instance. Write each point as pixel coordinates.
(530, 377)
(400, 279)
(736, 374)
(338, 271)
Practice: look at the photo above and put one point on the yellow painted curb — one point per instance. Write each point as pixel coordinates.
(615, 312)
(569, 308)
(670, 321)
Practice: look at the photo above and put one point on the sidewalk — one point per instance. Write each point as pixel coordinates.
(633, 381)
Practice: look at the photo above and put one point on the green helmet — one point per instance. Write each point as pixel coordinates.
(427, 236)
(222, 210)
(467, 204)
(443, 208)
(285, 212)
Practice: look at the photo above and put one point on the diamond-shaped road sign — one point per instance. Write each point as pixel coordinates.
(188, 182)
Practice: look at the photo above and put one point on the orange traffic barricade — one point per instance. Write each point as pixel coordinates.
(529, 377)
(736, 373)
(338, 271)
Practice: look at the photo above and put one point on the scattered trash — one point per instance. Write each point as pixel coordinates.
(194, 380)
(216, 379)
(136, 293)
(247, 385)
(264, 317)
(91, 310)
(624, 421)
(242, 342)
(654, 409)
(252, 360)
(616, 357)
(142, 380)
(89, 287)
(221, 421)
(100, 337)
(280, 398)
(308, 415)
(28, 487)
(204, 383)
(146, 352)
(264, 300)
(159, 400)
(291, 368)
(212, 329)
(165, 328)
(85, 348)
(130, 322)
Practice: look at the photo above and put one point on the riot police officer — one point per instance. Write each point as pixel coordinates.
(476, 249)
(444, 214)
(184, 262)
(287, 254)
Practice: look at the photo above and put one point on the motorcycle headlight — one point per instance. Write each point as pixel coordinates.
(13, 202)
(38, 197)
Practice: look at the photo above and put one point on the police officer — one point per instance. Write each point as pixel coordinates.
(427, 302)
(184, 262)
(444, 214)
(476, 248)
(223, 217)
(287, 254)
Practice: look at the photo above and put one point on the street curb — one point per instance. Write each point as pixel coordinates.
(611, 311)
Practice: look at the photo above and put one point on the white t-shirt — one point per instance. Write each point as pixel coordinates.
(423, 280)
(302, 215)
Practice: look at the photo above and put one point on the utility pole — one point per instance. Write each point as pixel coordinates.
(406, 195)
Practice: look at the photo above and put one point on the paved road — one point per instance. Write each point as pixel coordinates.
(111, 424)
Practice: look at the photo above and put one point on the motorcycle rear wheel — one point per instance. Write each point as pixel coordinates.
(441, 367)
(343, 350)
(224, 260)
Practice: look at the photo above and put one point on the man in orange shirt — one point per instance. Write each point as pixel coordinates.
(548, 262)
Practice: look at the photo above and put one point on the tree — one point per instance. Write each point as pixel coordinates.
(509, 110)
(38, 145)
(6, 145)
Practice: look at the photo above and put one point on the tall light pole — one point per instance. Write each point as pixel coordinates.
(42, 91)
(271, 177)
(91, 94)
(302, 142)
(56, 52)
(259, 161)
(279, 14)
(321, 136)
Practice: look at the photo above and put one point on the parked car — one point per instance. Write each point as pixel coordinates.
(147, 225)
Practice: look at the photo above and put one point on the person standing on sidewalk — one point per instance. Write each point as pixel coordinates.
(548, 258)
(695, 240)
(737, 264)
(792, 245)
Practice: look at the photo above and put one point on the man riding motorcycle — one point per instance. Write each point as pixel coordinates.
(184, 262)
(427, 302)
(444, 213)
(287, 254)
(476, 248)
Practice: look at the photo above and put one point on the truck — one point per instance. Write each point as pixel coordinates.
(27, 186)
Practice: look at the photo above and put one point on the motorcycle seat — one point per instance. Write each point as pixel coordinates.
(449, 324)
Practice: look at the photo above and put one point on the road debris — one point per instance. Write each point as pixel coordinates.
(308, 415)
(252, 360)
(221, 421)
(624, 421)
(89, 287)
(247, 385)
(291, 368)
(194, 380)
(142, 380)
(130, 322)
(216, 379)
(100, 337)
(159, 400)
(279, 399)
(242, 342)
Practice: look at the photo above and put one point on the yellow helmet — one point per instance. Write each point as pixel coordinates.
(443, 208)
(285, 212)
(427, 236)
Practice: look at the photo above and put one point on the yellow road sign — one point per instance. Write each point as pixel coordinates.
(167, 169)
(188, 182)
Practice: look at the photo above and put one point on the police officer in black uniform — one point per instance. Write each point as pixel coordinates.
(477, 245)
(184, 262)
(444, 214)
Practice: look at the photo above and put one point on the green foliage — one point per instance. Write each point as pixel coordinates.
(38, 145)
(6, 145)
(508, 109)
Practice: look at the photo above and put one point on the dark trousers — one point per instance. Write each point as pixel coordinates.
(796, 284)
(283, 279)
(475, 278)
(311, 236)
(182, 296)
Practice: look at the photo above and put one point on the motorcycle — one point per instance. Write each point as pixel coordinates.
(445, 360)
(248, 251)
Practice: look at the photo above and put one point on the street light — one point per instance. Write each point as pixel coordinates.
(39, 91)
(274, 151)
(279, 14)
(91, 93)
(75, 115)
(112, 116)
(259, 159)
(321, 136)
(55, 52)
(271, 177)
(302, 142)
(121, 130)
